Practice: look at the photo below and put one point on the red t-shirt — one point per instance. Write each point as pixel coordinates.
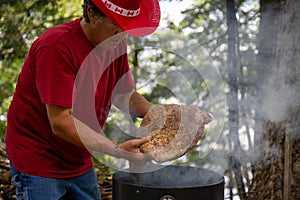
(55, 72)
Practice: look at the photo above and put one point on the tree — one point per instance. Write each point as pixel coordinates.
(276, 174)
(229, 28)
(235, 165)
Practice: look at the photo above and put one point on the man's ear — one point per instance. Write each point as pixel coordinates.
(91, 15)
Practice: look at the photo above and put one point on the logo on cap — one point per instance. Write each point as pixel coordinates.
(121, 11)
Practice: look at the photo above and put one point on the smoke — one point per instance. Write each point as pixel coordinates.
(279, 96)
(168, 177)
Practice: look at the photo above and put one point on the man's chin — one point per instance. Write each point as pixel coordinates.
(110, 44)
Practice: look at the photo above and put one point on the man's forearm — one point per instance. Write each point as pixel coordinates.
(138, 105)
(132, 103)
(67, 127)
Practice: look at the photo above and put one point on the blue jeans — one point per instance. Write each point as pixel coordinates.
(28, 187)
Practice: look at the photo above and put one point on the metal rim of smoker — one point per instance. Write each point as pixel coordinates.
(192, 183)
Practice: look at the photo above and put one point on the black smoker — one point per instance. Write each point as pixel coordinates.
(170, 183)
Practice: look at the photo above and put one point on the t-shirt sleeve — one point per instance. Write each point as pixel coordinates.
(55, 75)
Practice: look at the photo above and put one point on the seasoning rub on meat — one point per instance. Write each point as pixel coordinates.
(173, 129)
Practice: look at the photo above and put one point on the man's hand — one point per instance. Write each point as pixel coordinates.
(133, 153)
(133, 145)
(138, 160)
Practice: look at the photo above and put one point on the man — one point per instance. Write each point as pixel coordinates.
(50, 135)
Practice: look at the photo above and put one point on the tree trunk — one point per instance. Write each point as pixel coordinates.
(233, 102)
(277, 172)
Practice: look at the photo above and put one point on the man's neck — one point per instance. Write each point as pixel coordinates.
(87, 31)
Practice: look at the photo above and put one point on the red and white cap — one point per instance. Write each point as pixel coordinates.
(136, 17)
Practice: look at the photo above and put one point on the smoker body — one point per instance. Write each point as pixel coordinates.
(170, 183)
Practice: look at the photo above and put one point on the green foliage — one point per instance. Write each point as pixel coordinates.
(206, 22)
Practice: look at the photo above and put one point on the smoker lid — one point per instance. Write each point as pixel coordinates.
(172, 177)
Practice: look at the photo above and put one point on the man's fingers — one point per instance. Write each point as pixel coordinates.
(140, 141)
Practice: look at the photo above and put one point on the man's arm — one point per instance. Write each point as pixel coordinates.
(132, 103)
(67, 127)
